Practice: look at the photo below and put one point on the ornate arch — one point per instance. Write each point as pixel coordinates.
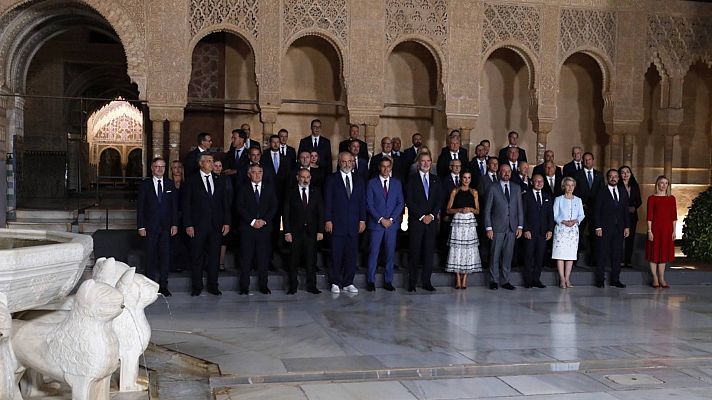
(333, 41)
(523, 52)
(604, 64)
(433, 48)
(232, 29)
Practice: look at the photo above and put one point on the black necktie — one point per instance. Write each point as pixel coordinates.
(257, 194)
(304, 197)
(457, 181)
(385, 187)
(316, 143)
(160, 191)
(538, 198)
(207, 183)
(348, 187)
(506, 192)
(615, 195)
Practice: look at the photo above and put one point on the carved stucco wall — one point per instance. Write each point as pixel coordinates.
(244, 14)
(676, 41)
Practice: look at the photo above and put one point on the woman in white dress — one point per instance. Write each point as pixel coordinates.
(568, 214)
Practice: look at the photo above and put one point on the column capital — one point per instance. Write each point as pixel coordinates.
(542, 126)
(461, 121)
(161, 112)
(669, 120)
(624, 127)
(369, 116)
(268, 113)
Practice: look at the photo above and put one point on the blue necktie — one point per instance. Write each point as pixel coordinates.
(275, 161)
(257, 194)
(482, 167)
(590, 179)
(426, 186)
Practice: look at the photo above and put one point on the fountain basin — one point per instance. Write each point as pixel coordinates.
(40, 267)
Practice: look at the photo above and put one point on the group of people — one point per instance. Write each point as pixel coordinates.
(485, 210)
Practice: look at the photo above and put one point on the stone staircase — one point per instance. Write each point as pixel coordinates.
(86, 221)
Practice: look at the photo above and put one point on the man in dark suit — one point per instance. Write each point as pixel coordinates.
(386, 151)
(354, 135)
(512, 159)
(611, 222)
(576, 163)
(452, 151)
(384, 203)
(552, 180)
(249, 143)
(478, 165)
(345, 216)
(513, 138)
(485, 183)
(320, 144)
(284, 148)
(538, 229)
(397, 152)
(588, 183)
(235, 159)
(316, 174)
(190, 163)
(303, 227)
(276, 168)
(360, 164)
(423, 197)
(409, 154)
(206, 216)
(256, 207)
(157, 221)
(504, 220)
(548, 156)
(448, 182)
(521, 176)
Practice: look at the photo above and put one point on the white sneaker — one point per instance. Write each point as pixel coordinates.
(351, 289)
(335, 289)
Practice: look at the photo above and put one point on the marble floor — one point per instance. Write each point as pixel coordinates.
(579, 343)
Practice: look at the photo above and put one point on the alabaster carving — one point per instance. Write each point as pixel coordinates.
(108, 270)
(81, 350)
(132, 327)
(8, 362)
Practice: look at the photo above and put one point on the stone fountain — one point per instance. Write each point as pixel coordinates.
(77, 339)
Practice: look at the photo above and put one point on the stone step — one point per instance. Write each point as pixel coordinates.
(89, 227)
(30, 214)
(42, 225)
(99, 214)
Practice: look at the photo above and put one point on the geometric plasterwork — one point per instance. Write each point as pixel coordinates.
(422, 17)
(242, 13)
(205, 74)
(587, 28)
(328, 15)
(117, 122)
(678, 41)
(509, 22)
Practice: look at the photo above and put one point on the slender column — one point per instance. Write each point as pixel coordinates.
(268, 116)
(614, 151)
(464, 123)
(541, 142)
(4, 177)
(157, 139)
(628, 144)
(173, 140)
(370, 117)
(667, 161)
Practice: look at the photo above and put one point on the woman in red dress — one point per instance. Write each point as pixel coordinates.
(662, 216)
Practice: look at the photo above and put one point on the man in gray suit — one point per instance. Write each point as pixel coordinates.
(504, 218)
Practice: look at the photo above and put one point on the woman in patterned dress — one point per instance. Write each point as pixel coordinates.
(464, 256)
(568, 214)
(662, 217)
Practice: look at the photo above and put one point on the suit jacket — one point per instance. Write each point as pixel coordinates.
(408, 156)
(609, 215)
(570, 168)
(539, 169)
(500, 215)
(252, 143)
(448, 185)
(362, 170)
(381, 206)
(298, 220)
(317, 178)
(291, 153)
(279, 177)
(538, 219)
(373, 166)
(556, 190)
(190, 163)
(582, 191)
(502, 156)
(344, 212)
(474, 168)
(152, 215)
(324, 150)
(362, 152)
(524, 186)
(418, 204)
(484, 184)
(249, 209)
(203, 211)
(443, 166)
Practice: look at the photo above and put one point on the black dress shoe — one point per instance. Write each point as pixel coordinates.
(429, 288)
(539, 285)
(411, 288)
(314, 290)
(215, 292)
(618, 284)
(599, 284)
(508, 286)
(292, 291)
(493, 286)
(265, 290)
(165, 292)
(525, 286)
(371, 287)
(196, 292)
(388, 286)
(244, 291)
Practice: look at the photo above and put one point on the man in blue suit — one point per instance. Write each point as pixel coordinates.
(384, 202)
(611, 224)
(157, 221)
(345, 216)
(538, 229)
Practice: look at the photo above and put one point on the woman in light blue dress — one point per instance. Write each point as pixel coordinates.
(568, 214)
